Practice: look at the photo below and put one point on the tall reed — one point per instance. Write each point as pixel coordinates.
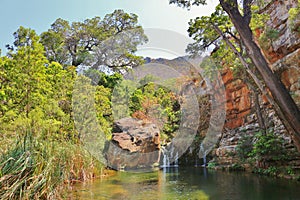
(35, 168)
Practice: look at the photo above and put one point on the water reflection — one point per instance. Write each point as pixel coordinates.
(188, 183)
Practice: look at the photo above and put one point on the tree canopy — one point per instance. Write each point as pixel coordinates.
(94, 41)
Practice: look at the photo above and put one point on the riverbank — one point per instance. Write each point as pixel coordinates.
(283, 172)
(41, 169)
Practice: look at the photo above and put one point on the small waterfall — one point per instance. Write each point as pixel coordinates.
(204, 159)
(164, 160)
(168, 161)
(196, 161)
(176, 160)
(203, 152)
(191, 150)
(168, 156)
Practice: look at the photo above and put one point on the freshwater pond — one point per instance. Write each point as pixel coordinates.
(187, 183)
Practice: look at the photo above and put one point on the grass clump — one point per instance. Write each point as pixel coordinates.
(39, 169)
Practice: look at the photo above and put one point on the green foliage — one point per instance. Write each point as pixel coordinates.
(36, 94)
(236, 167)
(38, 105)
(258, 20)
(101, 78)
(202, 30)
(36, 97)
(25, 71)
(90, 41)
(294, 15)
(269, 148)
(267, 151)
(211, 165)
(103, 109)
(271, 171)
(267, 37)
(156, 104)
(290, 171)
(244, 147)
(187, 3)
(35, 168)
(121, 98)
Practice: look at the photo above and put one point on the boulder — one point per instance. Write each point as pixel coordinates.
(135, 144)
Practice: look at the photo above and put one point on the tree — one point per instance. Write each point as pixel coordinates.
(93, 42)
(55, 42)
(35, 95)
(100, 78)
(25, 71)
(157, 104)
(241, 21)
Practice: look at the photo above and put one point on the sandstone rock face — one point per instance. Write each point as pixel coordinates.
(135, 144)
(288, 40)
(283, 55)
(238, 102)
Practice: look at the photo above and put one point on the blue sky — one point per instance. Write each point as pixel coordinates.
(40, 14)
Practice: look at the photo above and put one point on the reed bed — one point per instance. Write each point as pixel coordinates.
(35, 168)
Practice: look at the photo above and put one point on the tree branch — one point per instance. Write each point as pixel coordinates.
(247, 11)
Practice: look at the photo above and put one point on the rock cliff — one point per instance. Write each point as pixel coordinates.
(283, 54)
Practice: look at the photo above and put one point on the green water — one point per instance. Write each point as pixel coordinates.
(188, 183)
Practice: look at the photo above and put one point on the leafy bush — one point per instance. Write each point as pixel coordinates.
(290, 171)
(294, 16)
(236, 167)
(211, 165)
(245, 147)
(269, 148)
(156, 104)
(267, 37)
(273, 171)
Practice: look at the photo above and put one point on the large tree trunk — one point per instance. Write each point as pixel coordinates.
(276, 87)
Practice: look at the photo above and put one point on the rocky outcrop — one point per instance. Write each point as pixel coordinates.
(288, 40)
(134, 144)
(283, 54)
(284, 51)
(226, 152)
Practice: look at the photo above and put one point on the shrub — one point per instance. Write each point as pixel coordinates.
(269, 148)
(211, 165)
(245, 147)
(294, 16)
(267, 37)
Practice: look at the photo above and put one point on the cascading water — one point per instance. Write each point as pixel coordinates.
(168, 160)
(196, 161)
(204, 159)
(203, 153)
(168, 156)
(164, 160)
(176, 160)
